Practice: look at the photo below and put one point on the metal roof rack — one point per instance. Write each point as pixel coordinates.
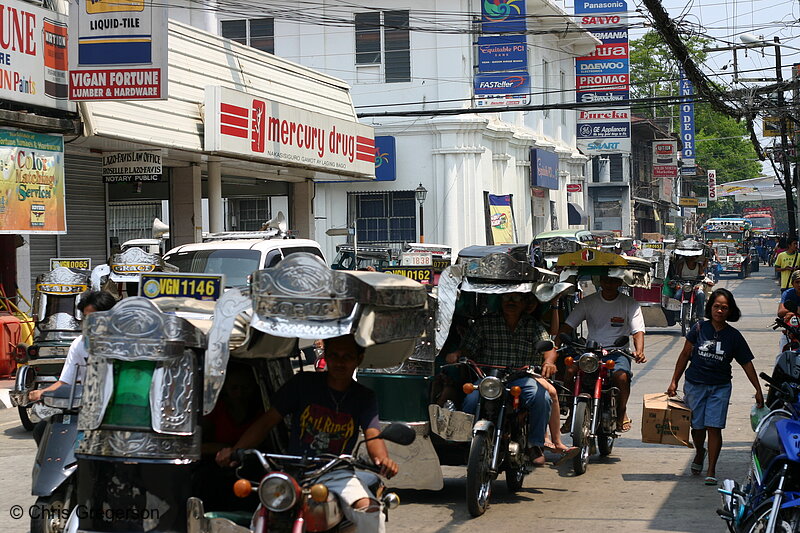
(235, 235)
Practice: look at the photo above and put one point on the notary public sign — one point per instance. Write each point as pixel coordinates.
(140, 165)
(245, 126)
(119, 51)
(33, 55)
(198, 286)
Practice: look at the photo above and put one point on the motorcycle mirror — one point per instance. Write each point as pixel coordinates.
(790, 305)
(621, 341)
(544, 346)
(398, 433)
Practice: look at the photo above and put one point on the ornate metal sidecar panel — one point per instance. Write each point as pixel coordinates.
(172, 397)
(499, 266)
(141, 446)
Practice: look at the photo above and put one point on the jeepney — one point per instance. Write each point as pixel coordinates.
(730, 238)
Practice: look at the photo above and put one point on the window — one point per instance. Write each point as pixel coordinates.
(391, 47)
(249, 214)
(546, 88)
(563, 96)
(237, 265)
(258, 33)
(384, 217)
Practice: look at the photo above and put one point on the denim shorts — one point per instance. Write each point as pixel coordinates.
(709, 404)
(621, 363)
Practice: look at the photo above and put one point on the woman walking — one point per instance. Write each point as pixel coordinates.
(709, 349)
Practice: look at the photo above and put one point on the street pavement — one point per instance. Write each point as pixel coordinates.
(639, 488)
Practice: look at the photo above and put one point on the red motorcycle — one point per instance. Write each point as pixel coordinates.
(595, 399)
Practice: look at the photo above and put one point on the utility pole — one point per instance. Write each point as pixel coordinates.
(786, 168)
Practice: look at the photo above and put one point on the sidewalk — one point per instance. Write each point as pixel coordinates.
(5, 387)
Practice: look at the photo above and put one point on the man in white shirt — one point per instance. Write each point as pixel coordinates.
(610, 315)
(75, 366)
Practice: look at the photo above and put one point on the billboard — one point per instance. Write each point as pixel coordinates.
(385, 158)
(120, 50)
(502, 88)
(603, 77)
(141, 165)
(502, 52)
(501, 219)
(544, 169)
(31, 183)
(687, 126)
(33, 56)
(243, 125)
(501, 16)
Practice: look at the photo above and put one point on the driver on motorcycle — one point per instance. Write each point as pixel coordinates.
(610, 315)
(692, 269)
(508, 340)
(327, 410)
(791, 297)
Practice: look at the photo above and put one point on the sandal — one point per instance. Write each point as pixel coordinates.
(566, 455)
(697, 468)
(710, 480)
(626, 425)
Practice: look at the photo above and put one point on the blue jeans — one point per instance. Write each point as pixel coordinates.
(534, 397)
(699, 301)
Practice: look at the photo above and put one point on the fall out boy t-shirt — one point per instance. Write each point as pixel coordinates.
(710, 362)
(325, 420)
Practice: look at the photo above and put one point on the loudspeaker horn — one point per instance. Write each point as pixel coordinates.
(277, 222)
(159, 228)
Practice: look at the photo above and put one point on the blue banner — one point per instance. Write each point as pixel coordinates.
(687, 124)
(601, 96)
(502, 52)
(502, 83)
(385, 158)
(600, 6)
(501, 16)
(544, 169)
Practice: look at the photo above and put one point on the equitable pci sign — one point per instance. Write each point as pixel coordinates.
(142, 165)
(120, 50)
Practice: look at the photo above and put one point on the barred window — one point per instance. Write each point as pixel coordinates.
(388, 217)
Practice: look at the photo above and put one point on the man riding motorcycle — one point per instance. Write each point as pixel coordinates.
(509, 340)
(327, 409)
(610, 315)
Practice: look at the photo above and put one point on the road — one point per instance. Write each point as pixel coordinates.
(640, 487)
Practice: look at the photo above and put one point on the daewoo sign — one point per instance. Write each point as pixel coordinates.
(242, 125)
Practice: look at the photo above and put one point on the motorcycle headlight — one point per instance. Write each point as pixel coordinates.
(278, 492)
(490, 388)
(589, 363)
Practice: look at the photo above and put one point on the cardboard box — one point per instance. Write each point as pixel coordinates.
(665, 420)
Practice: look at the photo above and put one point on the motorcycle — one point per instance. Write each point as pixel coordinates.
(53, 480)
(689, 313)
(291, 490)
(500, 432)
(787, 365)
(769, 500)
(594, 406)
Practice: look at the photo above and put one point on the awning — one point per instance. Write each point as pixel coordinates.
(576, 216)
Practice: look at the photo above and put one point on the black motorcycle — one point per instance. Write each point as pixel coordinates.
(291, 496)
(500, 433)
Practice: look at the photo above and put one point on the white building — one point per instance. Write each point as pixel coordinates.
(424, 54)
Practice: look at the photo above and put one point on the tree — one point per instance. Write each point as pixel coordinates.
(721, 142)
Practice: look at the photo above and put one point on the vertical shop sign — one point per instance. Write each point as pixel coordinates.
(31, 183)
(603, 77)
(502, 78)
(712, 185)
(501, 219)
(120, 50)
(687, 126)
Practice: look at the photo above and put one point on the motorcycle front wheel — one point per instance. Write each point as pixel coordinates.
(686, 318)
(605, 444)
(580, 437)
(788, 520)
(26, 416)
(479, 480)
(49, 514)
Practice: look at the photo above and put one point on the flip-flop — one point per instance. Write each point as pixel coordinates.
(710, 480)
(566, 455)
(627, 422)
(697, 468)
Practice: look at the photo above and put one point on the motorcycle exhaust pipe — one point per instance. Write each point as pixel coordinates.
(391, 501)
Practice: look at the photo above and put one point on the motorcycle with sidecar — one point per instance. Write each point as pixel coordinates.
(157, 373)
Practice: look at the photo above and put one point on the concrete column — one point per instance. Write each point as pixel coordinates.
(302, 202)
(186, 213)
(215, 223)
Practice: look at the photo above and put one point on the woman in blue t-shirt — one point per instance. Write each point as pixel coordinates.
(711, 346)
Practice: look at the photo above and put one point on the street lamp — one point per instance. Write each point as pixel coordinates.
(420, 193)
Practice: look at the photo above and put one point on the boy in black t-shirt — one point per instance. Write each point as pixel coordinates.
(327, 410)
